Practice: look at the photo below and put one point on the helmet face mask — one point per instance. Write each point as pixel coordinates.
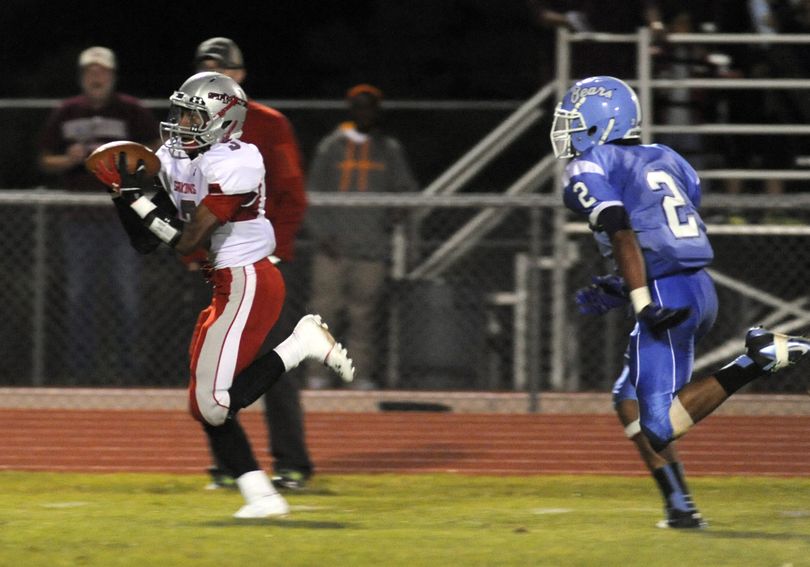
(566, 123)
(594, 111)
(187, 126)
(207, 109)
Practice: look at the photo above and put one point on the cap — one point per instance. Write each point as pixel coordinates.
(98, 55)
(223, 50)
(365, 89)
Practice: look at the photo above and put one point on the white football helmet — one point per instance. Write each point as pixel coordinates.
(208, 108)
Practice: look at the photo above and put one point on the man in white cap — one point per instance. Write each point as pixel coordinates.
(92, 246)
(97, 116)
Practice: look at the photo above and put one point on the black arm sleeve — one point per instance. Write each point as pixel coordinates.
(141, 237)
(613, 219)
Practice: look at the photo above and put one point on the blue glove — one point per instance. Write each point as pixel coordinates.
(604, 293)
(658, 319)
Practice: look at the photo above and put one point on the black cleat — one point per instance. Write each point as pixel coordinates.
(290, 480)
(683, 520)
(220, 479)
(773, 351)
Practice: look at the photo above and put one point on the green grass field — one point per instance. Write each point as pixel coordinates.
(155, 520)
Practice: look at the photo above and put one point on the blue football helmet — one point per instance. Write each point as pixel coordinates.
(594, 111)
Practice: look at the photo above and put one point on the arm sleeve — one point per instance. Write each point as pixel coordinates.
(612, 219)
(140, 237)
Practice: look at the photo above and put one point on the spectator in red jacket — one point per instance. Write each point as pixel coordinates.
(272, 133)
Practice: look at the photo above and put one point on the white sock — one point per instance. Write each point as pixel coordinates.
(255, 485)
(291, 352)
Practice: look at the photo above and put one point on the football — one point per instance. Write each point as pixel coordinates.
(105, 158)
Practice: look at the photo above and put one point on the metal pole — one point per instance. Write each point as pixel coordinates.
(399, 255)
(38, 277)
(563, 61)
(559, 239)
(644, 83)
(520, 325)
(534, 304)
(559, 303)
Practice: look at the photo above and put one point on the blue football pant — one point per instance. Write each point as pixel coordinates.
(656, 368)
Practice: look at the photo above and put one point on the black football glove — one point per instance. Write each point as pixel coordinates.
(658, 319)
(132, 185)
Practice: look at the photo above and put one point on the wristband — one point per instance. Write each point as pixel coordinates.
(162, 229)
(157, 225)
(143, 206)
(641, 298)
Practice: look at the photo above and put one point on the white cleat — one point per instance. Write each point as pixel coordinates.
(265, 507)
(319, 344)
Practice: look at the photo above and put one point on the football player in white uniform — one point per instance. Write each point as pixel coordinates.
(212, 196)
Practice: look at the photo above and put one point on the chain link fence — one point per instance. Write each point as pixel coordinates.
(480, 313)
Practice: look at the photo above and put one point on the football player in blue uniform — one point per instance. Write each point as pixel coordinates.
(641, 202)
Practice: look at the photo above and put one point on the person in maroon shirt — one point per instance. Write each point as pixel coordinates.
(95, 254)
(98, 115)
(272, 133)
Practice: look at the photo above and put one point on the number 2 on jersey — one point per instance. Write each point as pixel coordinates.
(687, 228)
(583, 197)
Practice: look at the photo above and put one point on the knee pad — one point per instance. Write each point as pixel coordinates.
(680, 418)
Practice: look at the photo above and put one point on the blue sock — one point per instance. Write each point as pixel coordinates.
(673, 487)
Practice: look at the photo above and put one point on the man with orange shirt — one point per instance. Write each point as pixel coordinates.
(272, 134)
(353, 246)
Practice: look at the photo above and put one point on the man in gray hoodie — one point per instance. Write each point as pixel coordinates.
(353, 245)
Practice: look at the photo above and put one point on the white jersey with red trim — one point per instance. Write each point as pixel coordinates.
(229, 168)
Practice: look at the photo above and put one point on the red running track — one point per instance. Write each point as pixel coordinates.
(410, 442)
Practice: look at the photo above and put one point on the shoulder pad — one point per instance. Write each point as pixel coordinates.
(236, 166)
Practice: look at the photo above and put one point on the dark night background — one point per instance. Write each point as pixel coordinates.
(413, 50)
(463, 49)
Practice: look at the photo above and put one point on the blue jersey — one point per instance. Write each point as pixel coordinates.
(659, 190)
